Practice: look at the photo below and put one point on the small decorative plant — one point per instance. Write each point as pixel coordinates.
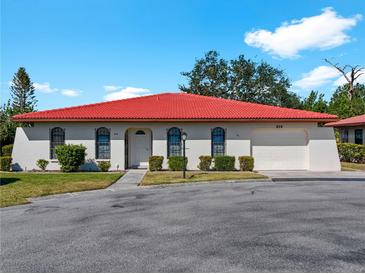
(42, 164)
(351, 152)
(246, 163)
(176, 163)
(104, 165)
(70, 157)
(155, 163)
(5, 163)
(205, 162)
(7, 150)
(224, 163)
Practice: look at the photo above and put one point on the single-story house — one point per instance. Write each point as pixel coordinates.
(352, 130)
(126, 132)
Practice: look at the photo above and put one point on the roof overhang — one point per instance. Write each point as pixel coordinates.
(344, 124)
(257, 120)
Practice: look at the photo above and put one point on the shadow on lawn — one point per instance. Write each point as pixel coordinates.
(6, 181)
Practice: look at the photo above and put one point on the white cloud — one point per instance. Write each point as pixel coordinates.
(323, 31)
(341, 80)
(317, 77)
(44, 87)
(323, 75)
(125, 93)
(111, 88)
(70, 92)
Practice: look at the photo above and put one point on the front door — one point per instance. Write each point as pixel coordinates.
(140, 147)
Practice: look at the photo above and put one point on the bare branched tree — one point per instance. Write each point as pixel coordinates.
(350, 73)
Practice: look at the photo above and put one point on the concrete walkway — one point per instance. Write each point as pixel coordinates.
(303, 175)
(130, 180)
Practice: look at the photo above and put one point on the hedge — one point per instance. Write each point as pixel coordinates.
(42, 164)
(205, 162)
(70, 157)
(6, 150)
(224, 163)
(246, 163)
(104, 165)
(155, 163)
(5, 163)
(351, 152)
(176, 163)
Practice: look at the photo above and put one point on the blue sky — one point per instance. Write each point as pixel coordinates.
(80, 52)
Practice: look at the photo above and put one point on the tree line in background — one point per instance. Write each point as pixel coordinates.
(259, 82)
(239, 79)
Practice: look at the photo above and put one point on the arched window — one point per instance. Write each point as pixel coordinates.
(218, 141)
(57, 138)
(102, 143)
(174, 142)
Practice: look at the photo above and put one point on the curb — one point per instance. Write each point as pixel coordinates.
(208, 182)
(321, 179)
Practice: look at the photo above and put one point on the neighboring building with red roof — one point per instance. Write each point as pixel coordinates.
(352, 130)
(126, 132)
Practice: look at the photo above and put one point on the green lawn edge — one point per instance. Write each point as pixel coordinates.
(210, 176)
(39, 184)
(345, 166)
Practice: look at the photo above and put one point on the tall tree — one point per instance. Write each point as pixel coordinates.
(350, 73)
(22, 92)
(344, 107)
(240, 79)
(315, 102)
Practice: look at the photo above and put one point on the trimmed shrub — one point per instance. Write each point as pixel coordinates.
(6, 150)
(70, 157)
(155, 163)
(176, 163)
(246, 163)
(224, 163)
(351, 152)
(205, 162)
(5, 163)
(42, 164)
(104, 166)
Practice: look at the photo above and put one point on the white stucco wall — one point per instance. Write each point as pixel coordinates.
(32, 144)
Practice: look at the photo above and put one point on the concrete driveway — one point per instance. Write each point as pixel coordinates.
(226, 227)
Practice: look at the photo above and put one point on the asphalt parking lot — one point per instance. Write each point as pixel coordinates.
(226, 227)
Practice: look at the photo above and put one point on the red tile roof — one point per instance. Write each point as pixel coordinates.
(173, 107)
(353, 121)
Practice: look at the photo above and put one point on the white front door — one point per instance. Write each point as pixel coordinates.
(140, 147)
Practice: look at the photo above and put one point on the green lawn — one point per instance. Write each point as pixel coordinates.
(172, 177)
(16, 187)
(352, 166)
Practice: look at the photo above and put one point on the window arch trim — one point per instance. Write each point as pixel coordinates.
(102, 143)
(57, 137)
(174, 142)
(218, 142)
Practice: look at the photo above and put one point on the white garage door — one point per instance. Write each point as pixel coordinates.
(280, 149)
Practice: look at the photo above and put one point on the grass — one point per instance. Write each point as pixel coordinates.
(352, 166)
(15, 188)
(173, 177)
